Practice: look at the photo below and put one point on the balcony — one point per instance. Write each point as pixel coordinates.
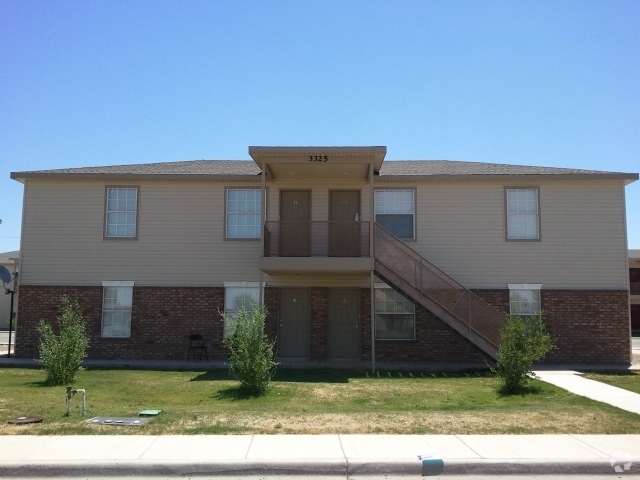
(316, 247)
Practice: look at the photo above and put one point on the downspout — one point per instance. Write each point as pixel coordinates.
(372, 300)
(263, 207)
(628, 265)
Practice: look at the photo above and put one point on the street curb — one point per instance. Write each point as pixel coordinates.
(315, 467)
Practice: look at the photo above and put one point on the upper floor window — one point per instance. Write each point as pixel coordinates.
(523, 213)
(121, 215)
(244, 206)
(395, 211)
(524, 299)
(117, 303)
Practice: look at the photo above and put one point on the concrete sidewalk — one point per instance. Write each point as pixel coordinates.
(348, 455)
(574, 382)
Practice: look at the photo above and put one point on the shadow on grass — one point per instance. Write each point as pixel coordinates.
(212, 375)
(520, 391)
(234, 394)
(288, 375)
(328, 375)
(40, 384)
(614, 373)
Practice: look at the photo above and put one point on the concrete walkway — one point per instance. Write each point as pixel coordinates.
(574, 382)
(345, 455)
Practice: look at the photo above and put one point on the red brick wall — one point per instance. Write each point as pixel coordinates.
(161, 321)
(271, 300)
(319, 323)
(43, 303)
(589, 327)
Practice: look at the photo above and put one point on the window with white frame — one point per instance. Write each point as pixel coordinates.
(523, 214)
(395, 315)
(244, 207)
(238, 296)
(117, 303)
(524, 299)
(121, 212)
(395, 211)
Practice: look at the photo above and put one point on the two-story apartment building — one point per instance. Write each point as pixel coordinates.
(357, 259)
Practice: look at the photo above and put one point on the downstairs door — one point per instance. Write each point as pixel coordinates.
(293, 329)
(344, 323)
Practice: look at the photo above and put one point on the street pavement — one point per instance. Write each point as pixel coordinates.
(346, 456)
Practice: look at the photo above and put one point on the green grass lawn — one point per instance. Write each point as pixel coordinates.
(629, 380)
(303, 401)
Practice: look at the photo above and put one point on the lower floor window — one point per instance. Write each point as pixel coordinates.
(395, 315)
(117, 302)
(524, 299)
(238, 296)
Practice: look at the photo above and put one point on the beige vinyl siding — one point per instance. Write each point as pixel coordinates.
(461, 229)
(180, 237)
(180, 234)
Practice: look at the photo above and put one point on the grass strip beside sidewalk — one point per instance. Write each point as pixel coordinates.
(304, 402)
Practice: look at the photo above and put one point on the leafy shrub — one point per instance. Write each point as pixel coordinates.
(524, 342)
(61, 354)
(251, 353)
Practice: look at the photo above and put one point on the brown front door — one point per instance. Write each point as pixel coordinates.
(295, 225)
(344, 323)
(344, 225)
(293, 330)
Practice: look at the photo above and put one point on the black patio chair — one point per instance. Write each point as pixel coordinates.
(197, 348)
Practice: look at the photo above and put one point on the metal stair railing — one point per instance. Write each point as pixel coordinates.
(404, 268)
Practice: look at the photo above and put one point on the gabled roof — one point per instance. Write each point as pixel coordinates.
(391, 169)
(189, 168)
(450, 169)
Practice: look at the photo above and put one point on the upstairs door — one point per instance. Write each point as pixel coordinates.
(295, 223)
(344, 225)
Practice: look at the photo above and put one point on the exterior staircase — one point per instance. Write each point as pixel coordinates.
(407, 271)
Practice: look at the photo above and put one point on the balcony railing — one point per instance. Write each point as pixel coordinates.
(634, 288)
(316, 239)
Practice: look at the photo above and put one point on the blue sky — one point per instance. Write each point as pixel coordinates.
(86, 83)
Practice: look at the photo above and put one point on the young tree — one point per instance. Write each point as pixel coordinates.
(251, 353)
(62, 349)
(525, 341)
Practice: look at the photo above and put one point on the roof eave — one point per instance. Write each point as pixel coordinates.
(20, 176)
(627, 178)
